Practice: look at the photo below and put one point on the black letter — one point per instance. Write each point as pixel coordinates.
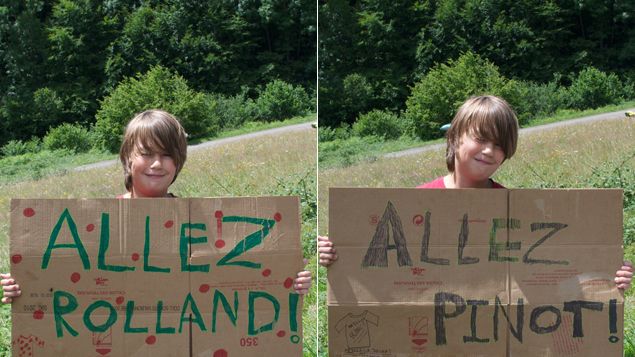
(463, 241)
(439, 313)
(535, 314)
(377, 253)
(473, 338)
(576, 307)
(536, 226)
(425, 243)
(520, 318)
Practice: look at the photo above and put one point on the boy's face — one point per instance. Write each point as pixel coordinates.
(152, 172)
(476, 158)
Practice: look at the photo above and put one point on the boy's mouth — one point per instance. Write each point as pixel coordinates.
(485, 162)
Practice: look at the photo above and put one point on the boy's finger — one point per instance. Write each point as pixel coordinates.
(304, 273)
(622, 280)
(326, 250)
(6, 300)
(624, 273)
(5, 282)
(11, 287)
(627, 268)
(5, 275)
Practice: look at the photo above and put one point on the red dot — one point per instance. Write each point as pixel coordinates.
(38, 315)
(203, 288)
(288, 283)
(119, 300)
(281, 333)
(218, 214)
(29, 212)
(277, 217)
(168, 224)
(219, 243)
(75, 277)
(135, 256)
(16, 258)
(150, 340)
(90, 227)
(266, 272)
(220, 353)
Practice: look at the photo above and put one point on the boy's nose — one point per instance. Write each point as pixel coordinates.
(156, 161)
(488, 147)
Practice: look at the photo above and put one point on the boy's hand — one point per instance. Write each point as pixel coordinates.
(302, 282)
(624, 275)
(10, 289)
(326, 251)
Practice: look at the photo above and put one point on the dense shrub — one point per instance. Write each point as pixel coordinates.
(530, 100)
(326, 133)
(158, 88)
(232, 112)
(280, 100)
(593, 88)
(435, 99)
(72, 137)
(357, 95)
(18, 147)
(379, 123)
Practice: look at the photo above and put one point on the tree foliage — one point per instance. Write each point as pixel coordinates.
(389, 47)
(60, 58)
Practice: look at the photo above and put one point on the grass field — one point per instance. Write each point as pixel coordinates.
(272, 165)
(593, 155)
(356, 150)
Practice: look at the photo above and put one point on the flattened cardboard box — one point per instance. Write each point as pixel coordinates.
(160, 277)
(475, 272)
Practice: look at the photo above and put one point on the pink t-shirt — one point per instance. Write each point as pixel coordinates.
(438, 183)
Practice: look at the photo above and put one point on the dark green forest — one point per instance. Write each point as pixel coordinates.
(60, 59)
(389, 55)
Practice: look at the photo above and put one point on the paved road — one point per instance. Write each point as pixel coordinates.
(214, 143)
(306, 126)
(585, 120)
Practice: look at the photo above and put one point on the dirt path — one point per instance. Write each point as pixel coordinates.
(214, 143)
(585, 120)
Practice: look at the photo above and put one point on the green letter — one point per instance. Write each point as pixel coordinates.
(112, 316)
(495, 247)
(146, 252)
(59, 310)
(104, 242)
(78, 242)
(197, 315)
(186, 241)
(129, 312)
(233, 315)
(160, 329)
(249, 242)
(253, 295)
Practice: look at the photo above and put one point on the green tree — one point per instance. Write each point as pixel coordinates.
(159, 88)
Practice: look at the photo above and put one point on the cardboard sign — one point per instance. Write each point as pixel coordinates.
(475, 272)
(156, 277)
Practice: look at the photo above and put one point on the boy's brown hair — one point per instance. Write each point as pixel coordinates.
(485, 117)
(155, 130)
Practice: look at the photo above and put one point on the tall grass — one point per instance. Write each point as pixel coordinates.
(591, 155)
(271, 165)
